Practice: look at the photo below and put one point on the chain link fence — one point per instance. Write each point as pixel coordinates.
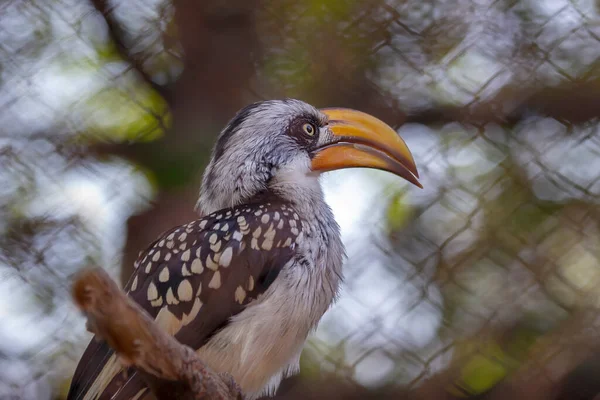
(483, 285)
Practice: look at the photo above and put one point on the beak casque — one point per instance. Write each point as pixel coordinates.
(363, 141)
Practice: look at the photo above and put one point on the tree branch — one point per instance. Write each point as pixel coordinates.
(117, 33)
(573, 102)
(167, 366)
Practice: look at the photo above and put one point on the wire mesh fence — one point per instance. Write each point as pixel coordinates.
(482, 285)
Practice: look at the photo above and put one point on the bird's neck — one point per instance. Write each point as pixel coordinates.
(301, 190)
(304, 193)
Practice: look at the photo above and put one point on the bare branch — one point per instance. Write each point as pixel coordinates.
(575, 102)
(117, 34)
(166, 365)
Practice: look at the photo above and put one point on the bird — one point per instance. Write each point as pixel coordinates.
(247, 282)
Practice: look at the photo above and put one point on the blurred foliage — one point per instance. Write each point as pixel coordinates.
(116, 117)
(398, 213)
(327, 37)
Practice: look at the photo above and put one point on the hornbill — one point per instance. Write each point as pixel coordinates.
(246, 283)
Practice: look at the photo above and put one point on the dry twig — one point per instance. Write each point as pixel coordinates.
(170, 369)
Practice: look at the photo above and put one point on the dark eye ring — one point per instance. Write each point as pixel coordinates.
(309, 129)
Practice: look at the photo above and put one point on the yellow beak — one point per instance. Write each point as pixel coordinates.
(363, 141)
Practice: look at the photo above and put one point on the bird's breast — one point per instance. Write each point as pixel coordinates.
(262, 344)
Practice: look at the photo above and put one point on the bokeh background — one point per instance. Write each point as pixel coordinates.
(486, 284)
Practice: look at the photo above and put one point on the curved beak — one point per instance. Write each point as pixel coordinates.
(363, 141)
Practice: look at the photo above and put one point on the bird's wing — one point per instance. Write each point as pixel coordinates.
(192, 280)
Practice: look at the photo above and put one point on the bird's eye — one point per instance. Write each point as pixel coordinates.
(309, 129)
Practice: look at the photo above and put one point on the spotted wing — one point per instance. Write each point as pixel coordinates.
(192, 280)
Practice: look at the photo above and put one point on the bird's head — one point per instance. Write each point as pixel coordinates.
(283, 145)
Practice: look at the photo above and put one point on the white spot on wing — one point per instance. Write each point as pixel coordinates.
(269, 237)
(240, 294)
(197, 266)
(210, 264)
(148, 267)
(226, 256)
(164, 275)
(152, 291)
(267, 244)
(184, 290)
(215, 282)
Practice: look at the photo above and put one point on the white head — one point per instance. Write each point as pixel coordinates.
(281, 146)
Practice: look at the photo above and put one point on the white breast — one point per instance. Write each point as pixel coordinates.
(262, 344)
